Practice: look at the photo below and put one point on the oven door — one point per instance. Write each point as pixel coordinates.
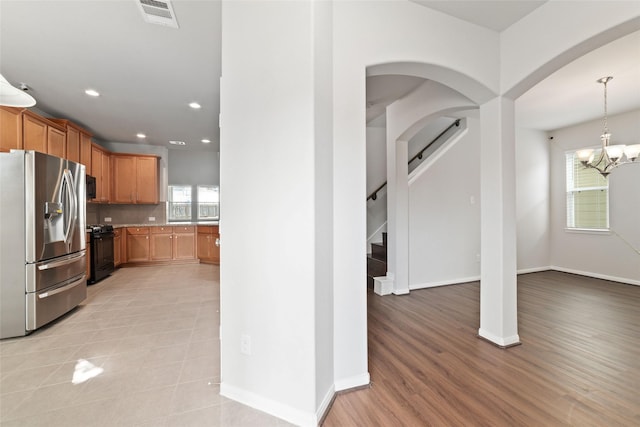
(102, 261)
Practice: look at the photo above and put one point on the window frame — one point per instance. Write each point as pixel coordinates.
(193, 205)
(571, 189)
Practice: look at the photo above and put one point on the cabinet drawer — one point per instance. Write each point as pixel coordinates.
(184, 229)
(138, 230)
(161, 230)
(207, 229)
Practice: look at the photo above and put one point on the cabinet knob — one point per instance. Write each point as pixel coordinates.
(217, 241)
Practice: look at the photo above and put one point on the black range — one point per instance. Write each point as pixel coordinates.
(101, 249)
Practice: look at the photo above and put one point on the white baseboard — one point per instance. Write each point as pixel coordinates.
(501, 341)
(534, 269)
(325, 404)
(457, 281)
(597, 275)
(352, 382)
(271, 407)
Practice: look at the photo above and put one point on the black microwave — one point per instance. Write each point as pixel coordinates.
(91, 187)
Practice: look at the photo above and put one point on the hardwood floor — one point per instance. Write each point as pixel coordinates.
(578, 365)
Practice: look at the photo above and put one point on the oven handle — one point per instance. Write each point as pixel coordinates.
(61, 262)
(62, 288)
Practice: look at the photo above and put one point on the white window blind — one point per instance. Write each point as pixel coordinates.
(587, 196)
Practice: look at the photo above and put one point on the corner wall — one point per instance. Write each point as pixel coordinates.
(605, 255)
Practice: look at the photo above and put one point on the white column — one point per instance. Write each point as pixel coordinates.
(498, 287)
(397, 213)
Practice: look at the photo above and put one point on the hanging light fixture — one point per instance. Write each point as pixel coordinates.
(13, 97)
(609, 156)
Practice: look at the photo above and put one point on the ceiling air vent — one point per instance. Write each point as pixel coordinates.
(158, 12)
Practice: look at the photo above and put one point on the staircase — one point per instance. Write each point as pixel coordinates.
(377, 260)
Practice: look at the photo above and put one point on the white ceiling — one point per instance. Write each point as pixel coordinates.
(147, 74)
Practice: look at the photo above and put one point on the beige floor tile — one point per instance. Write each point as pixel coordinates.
(199, 394)
(159, 352)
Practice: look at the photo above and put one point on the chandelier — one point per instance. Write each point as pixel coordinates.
(609, 156)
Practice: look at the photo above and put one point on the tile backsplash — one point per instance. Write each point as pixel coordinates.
(126, 214)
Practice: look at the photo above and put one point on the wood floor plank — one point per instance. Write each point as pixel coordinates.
(578, 365)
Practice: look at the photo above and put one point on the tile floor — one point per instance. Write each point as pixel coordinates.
(142, 350)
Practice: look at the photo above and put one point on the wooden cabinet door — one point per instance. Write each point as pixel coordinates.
(85, 152)
(10, 128)
(73, 145)
(56, 144)
(215, 248)
(117, 247)
(161, 246)
(106, 177)
(137, 245)
(204, 245)
(207, 249)
(34, 134)
(96, 171)
(147, 180)
(124, 170)
(184, 242)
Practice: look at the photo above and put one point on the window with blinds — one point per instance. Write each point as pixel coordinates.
(587, 197)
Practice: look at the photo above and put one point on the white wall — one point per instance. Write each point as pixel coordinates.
(201, 167)
(276, 189)
(368, 33)
(376, 175)
(599, 255)
(555, 34)
(444, 215)
(532, 199)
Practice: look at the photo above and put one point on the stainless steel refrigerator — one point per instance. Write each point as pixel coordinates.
(42, 240)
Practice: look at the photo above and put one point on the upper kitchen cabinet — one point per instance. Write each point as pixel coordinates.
(135, 179)
(76, 139)
(42, 135)
(10, 128)
(101, 170)
(85, 151)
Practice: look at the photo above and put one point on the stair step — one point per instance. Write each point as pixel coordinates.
(379, 251)
(376, 267)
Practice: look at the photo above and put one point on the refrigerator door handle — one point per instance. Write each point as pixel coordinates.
(73, 209)
(61, 262)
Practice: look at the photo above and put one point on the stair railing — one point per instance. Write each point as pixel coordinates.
(374, 195)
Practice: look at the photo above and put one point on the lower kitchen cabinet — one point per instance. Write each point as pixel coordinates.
(184, 243)
(209, 244)
(117, 247)
(159, 244)
(173, 243)
(138, 247)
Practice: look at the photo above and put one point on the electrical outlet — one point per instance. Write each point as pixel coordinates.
(107, 219)
(245, 344)
(152, 218)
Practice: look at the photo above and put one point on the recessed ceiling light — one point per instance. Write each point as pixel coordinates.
(206, 141)
(177, 142)
(141, 135)
(92, 92)
(194, 105)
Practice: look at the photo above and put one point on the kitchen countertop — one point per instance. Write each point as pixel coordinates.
(166, 224)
